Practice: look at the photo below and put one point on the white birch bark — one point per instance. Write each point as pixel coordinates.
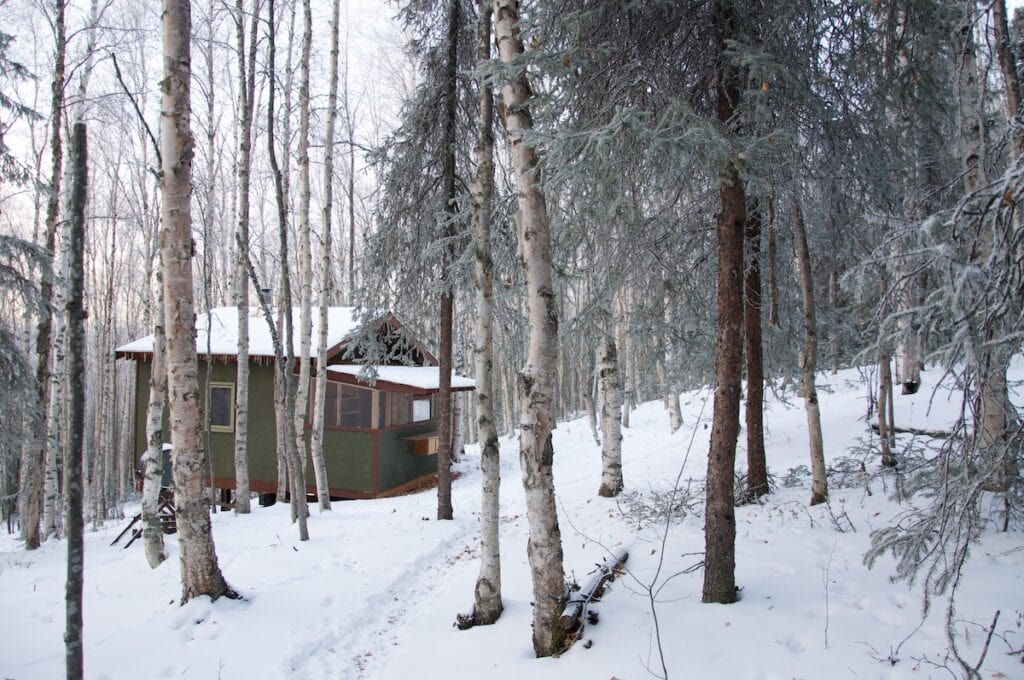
(536, 452)
(622, 341)
(246, 97)
(305, 249)
(808, 363)
(992, 418)
(33, 454)
(611, 447)
(487, 604)
(152, 460)
(317, 433)
(200, 573)
(884, 423)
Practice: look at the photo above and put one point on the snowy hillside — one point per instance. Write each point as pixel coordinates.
(375, 591)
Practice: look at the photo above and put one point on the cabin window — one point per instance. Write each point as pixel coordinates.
(421, 409)
(355, 407)
(222, 407)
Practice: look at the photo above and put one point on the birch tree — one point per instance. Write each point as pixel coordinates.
(30, 501)
(611, 421)
(808, 361)
(487, 604)
(152, 460)
(200, 573)
(246, 103)
(326, 277)
(285, 347)
(536, 378)
(305, 254)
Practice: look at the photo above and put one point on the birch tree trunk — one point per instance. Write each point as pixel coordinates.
(808, 362)
(757, 465)
(200, 573)
(33, 459)
(54, 417)
(285, 354)
(317, 433)
(305, 250)
(487, 604)
(720, 514)
(621, 339)
(76, 407)
(611, 447)
(246, 98)
(152, 535)
(536, 453)
(992, 417)
(675, 412)
(884, 422)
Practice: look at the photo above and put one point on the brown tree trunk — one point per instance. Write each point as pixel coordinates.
(444, 392)
(720, 516)
(200, 574)
(757, 467)
(536, 379)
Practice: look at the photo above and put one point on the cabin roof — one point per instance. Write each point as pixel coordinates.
(222, 323)
(424, 379)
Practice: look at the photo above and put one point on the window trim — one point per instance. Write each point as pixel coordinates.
(230, 427)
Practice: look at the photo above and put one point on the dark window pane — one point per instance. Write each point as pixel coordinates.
(222, 405)
(355, 406)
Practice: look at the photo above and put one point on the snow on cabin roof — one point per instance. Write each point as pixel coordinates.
(417, 377)
(223, 335)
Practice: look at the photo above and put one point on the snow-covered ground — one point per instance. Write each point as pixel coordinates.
(375, 591)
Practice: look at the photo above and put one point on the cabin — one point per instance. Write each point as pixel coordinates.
(380, 427)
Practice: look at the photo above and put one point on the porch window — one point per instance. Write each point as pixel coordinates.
(344, 405)
(222, 407)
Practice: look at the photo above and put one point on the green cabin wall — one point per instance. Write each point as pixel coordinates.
(348, 454)
(398, 464)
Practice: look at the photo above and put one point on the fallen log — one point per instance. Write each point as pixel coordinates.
(921, 432)
(572, 618)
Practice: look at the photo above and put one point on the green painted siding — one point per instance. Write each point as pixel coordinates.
(398, 464)
(348, 455)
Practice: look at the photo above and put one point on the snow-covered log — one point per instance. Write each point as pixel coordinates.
(579, 600)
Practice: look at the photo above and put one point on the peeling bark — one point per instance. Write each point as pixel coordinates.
(487, 604)
(536, 453)
(200, 573)
(611, 448)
